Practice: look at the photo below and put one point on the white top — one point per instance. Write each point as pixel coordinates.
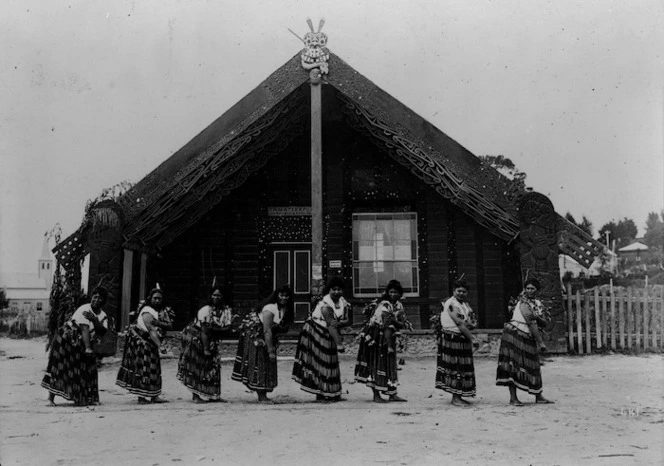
(272, 308)
(461, 311)
(208, 314)
(140, 322)
(78, 318)
(337, 307)
(518, 320)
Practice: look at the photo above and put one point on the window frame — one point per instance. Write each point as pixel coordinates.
(394, 215)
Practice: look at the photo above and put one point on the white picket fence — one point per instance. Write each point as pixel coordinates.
(24, 323)
(627, 319)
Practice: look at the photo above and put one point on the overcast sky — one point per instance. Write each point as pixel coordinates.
(97, 92)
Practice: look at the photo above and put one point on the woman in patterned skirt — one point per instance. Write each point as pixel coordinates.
(199, 368)
(140, 372)
(455, 372)
(376, 365)
(520, 345)
(72, 366)
(316, 366)
(256, 361)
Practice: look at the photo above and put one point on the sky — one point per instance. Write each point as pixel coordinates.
(96, 92)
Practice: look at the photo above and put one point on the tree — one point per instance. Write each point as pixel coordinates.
(4, 302)
(586, 225)
(507, 168)
(622, 232)
(654, 236)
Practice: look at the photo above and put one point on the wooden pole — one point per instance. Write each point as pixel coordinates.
(637, 318)
(586, 305)
(125, 299)
(579, 332)
(621, 319)
(613, 320)
(316, 183)
(630, 323)
(570, 318)
(646, 315)
(598, 325)
(605, 318)
(143, 278)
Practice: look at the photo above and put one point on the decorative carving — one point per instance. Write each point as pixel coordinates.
(539, 259)
(429, 169)
(314, 54)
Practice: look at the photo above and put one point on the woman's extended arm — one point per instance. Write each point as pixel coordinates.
(98, 325)
(85, 334)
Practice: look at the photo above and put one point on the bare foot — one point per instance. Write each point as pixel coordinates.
(157, 400)
(516, 403)
(142, 401)
(397, 398)
(50, 403)
(217, 400)
(541, 400)
(460, 402)
(197, 399)
(265, 400)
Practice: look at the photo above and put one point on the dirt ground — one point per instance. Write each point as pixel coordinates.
(609, 410)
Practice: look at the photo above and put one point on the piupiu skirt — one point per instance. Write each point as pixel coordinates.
(455, 372)
(252, 365)
(140, 372)
(376, 367)
(518, 361)
(70, 373)
(316, 366)
(199, 372)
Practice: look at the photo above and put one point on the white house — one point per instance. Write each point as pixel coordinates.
(31, 291)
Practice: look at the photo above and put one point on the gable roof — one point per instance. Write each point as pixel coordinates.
(636, 246)
(192, 181)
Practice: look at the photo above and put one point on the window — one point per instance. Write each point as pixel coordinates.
(40, 307)
(384, 248)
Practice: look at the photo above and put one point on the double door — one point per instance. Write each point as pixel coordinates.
(291, 264)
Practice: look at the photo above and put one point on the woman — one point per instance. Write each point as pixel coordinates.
(455, 372)
(518, 358)
(376, 365)
(316, 366)
(72, 366)
(256, 360)
(199, 368)
(140, 372)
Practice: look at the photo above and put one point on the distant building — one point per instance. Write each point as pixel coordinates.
(568, 264)
(634, 252)
(30, 291)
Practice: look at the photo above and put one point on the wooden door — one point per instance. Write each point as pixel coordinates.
(291, 263)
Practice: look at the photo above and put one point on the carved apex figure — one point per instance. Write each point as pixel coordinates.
(315, 54)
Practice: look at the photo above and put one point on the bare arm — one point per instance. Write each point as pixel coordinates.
(85, 334)
(98, 325)
(267, 331)
(531, 321)
(463, 328)
(149, 321)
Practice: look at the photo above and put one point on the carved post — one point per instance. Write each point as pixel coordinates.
(539, 259)
(105, 247)
(314, 58)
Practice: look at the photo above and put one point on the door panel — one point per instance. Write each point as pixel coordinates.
(292, 265)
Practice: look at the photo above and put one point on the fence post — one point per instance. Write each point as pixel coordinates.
(613, 319)
(637, 318)
(28, 324)
(589, 340)
(654, 321)
(579, 332)
(598, 325)
(570, 318)
(621, 319)
(646, 315)
(630, 318)
(605, 317)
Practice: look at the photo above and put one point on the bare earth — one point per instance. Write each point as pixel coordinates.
(609, 410)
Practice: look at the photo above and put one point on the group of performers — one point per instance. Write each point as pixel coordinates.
(72, 370)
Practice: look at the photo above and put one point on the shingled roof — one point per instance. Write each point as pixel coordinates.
(193, 180)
